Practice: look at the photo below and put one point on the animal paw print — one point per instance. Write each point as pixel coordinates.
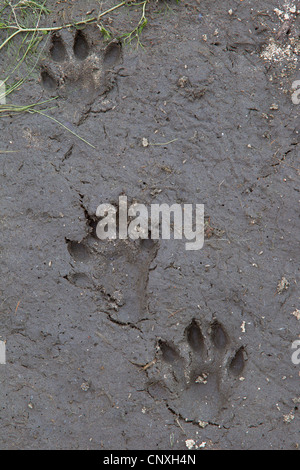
(117, 272)
(77, 68)
(198, 380)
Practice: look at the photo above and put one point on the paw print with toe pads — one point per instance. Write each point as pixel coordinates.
(78, 68)
(197, 380)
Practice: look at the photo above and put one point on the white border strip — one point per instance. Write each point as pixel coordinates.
(2, 352)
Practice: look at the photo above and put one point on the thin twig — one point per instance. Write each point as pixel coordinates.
(166, 143)
(62, 125)
(14, 13)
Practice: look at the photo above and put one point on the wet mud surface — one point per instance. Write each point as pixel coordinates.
(143, 345)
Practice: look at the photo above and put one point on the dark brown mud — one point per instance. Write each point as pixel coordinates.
(144, 345)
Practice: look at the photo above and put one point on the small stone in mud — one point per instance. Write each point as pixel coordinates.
(183, 82)
(203, 424)
(202, 379)
(190, 443)
(289, 418)
(282, 285)
(85, 386)
(296, 314)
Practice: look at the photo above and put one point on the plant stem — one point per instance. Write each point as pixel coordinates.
(62, 125)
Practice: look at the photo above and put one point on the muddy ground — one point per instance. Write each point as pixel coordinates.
(130, 345)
